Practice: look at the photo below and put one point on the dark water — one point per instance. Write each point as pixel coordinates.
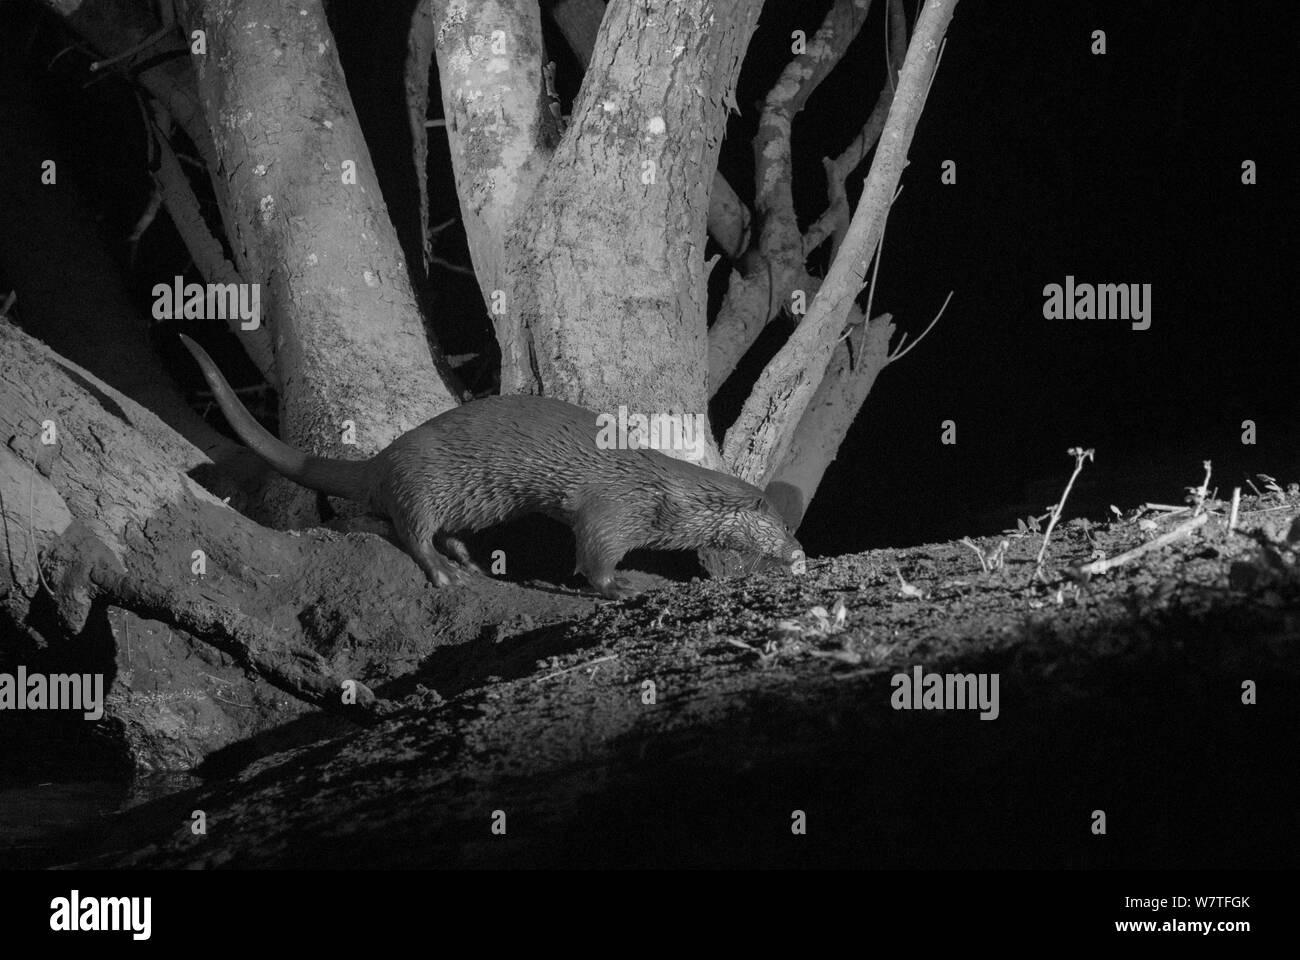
(51, 824)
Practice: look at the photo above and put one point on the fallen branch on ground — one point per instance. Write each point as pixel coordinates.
(1177, 533)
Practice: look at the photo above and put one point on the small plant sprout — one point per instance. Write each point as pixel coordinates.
(907, 589)
(993, 559)
(1270, 485)
(900, 351)
(1080, 455)
(1027, 526)
(832, 622)
(821, 623)
(968, 542)
(1196, 496)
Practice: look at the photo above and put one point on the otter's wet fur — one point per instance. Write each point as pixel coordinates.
(499, 458)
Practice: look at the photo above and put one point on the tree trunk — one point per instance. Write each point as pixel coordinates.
(606, 301)
(305, 218)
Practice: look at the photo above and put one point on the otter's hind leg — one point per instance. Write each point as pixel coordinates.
(455, 547)
(599, 528)
(420, 536)
(440, 571)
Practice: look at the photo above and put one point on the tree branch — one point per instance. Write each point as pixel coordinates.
(499, 127)
(852, 373)
(415, 76)
(183, 208)
(756, 444)
(835, 219)
(755, 297)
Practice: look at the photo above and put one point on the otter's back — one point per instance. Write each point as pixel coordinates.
(499, 458)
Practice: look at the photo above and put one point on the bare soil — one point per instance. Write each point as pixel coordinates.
(686, 726)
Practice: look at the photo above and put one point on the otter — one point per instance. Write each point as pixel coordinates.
(499, 458)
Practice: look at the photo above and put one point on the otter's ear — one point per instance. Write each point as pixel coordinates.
(760, 503)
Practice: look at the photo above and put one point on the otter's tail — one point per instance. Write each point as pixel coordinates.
(338, 478)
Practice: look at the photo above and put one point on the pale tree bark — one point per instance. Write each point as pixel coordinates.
(606, 281)
(729, 218)
(350, 343)
(118, 519)
(849, 378)
(499, 124)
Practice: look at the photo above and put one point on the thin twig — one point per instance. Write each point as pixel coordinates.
(80, 48)
(1198, 495)
(968, 542)
(900, 353)
(31, 530)
(935, 72)
(233, 703)
(580, 666)
(865, 672)
(448, 265)
(144, 222)
(875, 269)
(153, 38)
(1079, 455)
(889, 61)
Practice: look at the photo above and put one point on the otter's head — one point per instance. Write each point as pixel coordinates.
(725, 513)
(755, 529)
